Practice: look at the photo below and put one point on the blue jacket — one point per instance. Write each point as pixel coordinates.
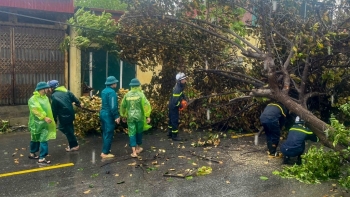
(177, 96)
(109, 102)
(297, 136)
(274, 112)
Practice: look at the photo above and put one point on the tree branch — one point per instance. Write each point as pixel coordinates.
(234, 73)
(232, 77)
(309, 95)
(239, 98)
(304, 78)
(286, 80)
(261, 93)
(192, 25)
(296, 86)
(231, 32)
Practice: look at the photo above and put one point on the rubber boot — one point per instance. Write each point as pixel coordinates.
(175, 137)
(272, 150)
(299, 160)
(169, 133)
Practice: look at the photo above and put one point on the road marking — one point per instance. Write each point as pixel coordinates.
(37, 169)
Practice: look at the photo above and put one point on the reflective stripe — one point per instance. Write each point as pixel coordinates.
(170, 127)
(132, 98)
(302, 130)
(177, 94)
(278, 107)
(175, 131)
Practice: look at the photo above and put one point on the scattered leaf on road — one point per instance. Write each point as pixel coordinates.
(180, 156)
(172, 169)
(204, 170)
(189, 177)
(21, 155)
(87, 191)
(94, 175)
(264, 178)
(154, 162)
(121, 182)
(116, 175)
(228, 182)
(132, 164)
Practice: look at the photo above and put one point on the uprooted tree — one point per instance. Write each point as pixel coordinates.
(295, 53)
(302, 54)
(300, 59)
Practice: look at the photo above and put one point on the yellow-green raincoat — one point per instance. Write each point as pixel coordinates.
(39, 107)
(135, 107)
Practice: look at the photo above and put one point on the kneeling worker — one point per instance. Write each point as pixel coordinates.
(294, 146)
(273, 119)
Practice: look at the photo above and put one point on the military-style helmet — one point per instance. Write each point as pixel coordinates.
(180, 76)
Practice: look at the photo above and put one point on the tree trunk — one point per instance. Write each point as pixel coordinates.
(314, 123)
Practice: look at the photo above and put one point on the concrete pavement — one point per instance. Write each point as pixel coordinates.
(238, 175)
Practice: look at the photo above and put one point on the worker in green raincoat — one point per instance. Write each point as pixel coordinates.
(41, 125)
(135, 109)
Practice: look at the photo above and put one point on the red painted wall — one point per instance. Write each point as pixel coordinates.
(65, 6)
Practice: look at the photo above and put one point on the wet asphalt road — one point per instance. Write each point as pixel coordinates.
(238, 175)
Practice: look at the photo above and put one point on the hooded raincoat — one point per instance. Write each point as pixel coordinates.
(136, 108)
(39, 107)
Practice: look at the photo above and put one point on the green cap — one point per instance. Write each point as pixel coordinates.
(41, 85)
(134, 82)
(111, 80)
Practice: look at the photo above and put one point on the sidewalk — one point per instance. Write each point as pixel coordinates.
(239, 174)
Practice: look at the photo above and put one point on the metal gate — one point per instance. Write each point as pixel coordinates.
(28, 55)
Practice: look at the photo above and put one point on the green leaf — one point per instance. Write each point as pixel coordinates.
(94, 175)
(189, 177)
(264, 178)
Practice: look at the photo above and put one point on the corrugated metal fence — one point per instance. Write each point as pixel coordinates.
(45, 5)
(28, 55)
